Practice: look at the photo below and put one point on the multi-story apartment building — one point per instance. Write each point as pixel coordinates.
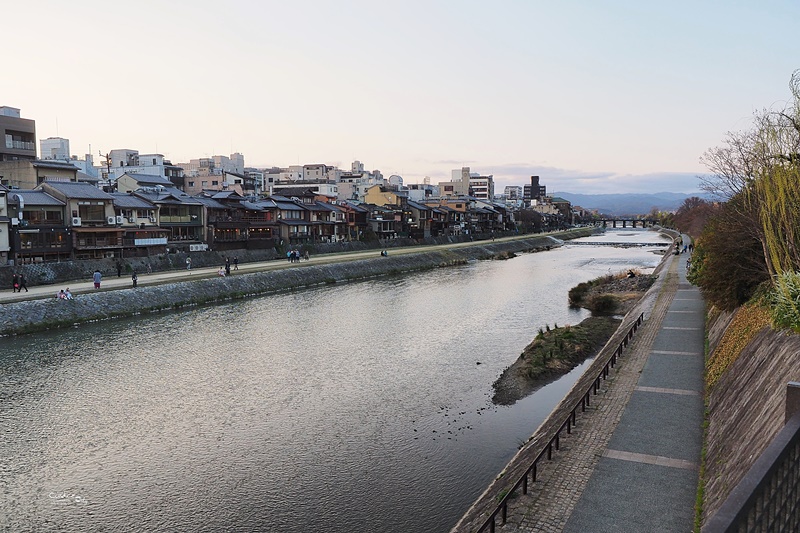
(17, 135)
(481, 187)
(534, 192)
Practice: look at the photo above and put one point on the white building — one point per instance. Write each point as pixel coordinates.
(127, 161)
(214, 166)
(353, 185)
(54, 148)
(481, 187)
(419, 192)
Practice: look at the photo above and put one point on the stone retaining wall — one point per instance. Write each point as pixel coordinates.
(37, 315)
(746, 406)
(53, 273)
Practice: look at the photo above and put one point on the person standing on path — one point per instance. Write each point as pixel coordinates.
(119, 269)
(188, 263)
(134, 279)
(236, 263)
(97, 277)
(22, 283)
(15, 283)
(227, 266)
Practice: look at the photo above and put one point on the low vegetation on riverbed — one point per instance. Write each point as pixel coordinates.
(557, 350)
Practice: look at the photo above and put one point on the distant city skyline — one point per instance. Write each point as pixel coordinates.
(595, 98)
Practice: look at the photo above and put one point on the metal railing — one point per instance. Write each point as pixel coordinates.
(768, 497)
(555, 440)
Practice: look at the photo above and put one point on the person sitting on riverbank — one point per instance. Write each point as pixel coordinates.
(221, 272)
(68, 294)
(61, 295)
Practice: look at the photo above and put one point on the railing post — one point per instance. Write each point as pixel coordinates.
(792, 400)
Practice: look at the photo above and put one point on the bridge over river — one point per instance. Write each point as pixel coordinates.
(627, 222)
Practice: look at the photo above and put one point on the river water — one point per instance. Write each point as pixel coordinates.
(360, 407)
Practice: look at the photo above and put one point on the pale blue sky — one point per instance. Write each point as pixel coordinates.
(595, 97)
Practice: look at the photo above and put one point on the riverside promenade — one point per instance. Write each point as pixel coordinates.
(632, 462)
(111, 281)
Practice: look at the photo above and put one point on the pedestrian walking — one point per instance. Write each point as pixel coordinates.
(134, 279)
(119, 269)
(97, 278)
(188, 263)
(22, 283)
(236, 263)
(15, 283)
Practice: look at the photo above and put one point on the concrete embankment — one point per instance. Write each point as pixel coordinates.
(746, 406)
(38, 315)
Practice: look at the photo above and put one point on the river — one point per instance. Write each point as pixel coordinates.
(360, 407)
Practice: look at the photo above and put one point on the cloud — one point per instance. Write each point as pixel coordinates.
(582, 182)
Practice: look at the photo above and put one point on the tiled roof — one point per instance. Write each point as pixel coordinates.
(72, 189)
(150, 179)
(33, 198)
(63, 165)
(210, 203)
(169, 196)
(419, 206)
(130, 201)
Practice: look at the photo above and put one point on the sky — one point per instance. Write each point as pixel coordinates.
(595, 97)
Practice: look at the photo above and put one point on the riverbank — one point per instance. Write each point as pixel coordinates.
(665, 282)
(556, 351)
(50, 313)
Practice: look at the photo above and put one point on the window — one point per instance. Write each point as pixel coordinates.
(215, 182)
(204, 184)
(191, 184)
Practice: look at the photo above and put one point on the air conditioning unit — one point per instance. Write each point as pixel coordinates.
(76, 221)
(15, 221)
(120, 219)
(132, 220)
(111, 220)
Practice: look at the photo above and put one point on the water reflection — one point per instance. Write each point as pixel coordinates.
(357, 407)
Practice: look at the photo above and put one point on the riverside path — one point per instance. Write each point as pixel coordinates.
(112, 282)
(632, 462)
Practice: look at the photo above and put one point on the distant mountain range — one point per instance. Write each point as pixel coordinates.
(629, 203)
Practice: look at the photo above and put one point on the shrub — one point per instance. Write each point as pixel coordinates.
(785, 300)
(728, 262)
(602, 304)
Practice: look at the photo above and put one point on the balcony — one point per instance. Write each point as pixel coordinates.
(20, 145)
(180, 219)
